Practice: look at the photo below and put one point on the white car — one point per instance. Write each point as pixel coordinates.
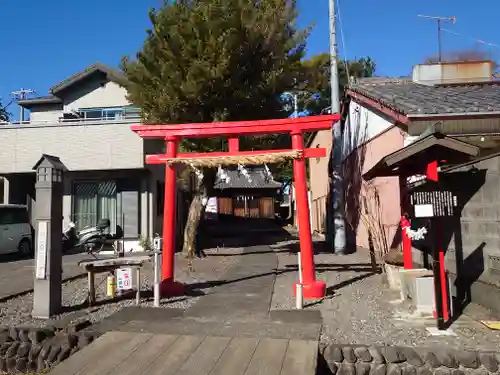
(16, 233)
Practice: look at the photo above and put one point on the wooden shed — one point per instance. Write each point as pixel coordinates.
(252, 196)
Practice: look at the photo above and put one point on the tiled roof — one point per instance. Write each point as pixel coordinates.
(49, 99)
(258, 175)
(411, 98)
(112, 74)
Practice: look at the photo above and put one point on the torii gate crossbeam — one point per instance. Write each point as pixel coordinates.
(173, 134)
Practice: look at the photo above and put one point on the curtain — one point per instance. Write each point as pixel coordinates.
(107, 204)
(85, 204)
(94, 201)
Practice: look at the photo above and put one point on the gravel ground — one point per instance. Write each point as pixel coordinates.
(17, 311)
(359, 308)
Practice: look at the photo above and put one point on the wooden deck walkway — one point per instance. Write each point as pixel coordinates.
(124, 353)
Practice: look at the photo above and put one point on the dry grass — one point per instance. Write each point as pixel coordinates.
(371, 215)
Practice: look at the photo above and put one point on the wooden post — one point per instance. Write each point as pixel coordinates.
(91, 287)
(138, 286)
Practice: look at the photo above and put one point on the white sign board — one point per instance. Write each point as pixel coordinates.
(211, 205)
(124, 278)
(41, 250)
(211, 210)
(424, 210)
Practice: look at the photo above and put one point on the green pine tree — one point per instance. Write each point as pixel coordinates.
(315, 79)
(4, 114)
(216, 60)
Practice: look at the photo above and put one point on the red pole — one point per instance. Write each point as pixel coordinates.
(168, 286)
(312, 288)
(433, 175)
(442, 273)
(407, 255)
(233, 144)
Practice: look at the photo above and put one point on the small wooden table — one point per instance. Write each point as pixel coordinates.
(93, 266)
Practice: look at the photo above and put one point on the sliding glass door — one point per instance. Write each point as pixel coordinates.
(95, 200)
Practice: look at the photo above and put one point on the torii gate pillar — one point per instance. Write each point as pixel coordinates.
(168, 286)
(311, 288)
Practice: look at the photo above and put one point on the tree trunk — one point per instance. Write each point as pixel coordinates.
(196, 209)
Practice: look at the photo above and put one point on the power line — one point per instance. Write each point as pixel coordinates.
(344, 49)
(439, 20)
(479, 41)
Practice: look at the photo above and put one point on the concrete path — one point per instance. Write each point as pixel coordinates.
(121, 353)
(229, 331)
(238, 305)
(16, 275)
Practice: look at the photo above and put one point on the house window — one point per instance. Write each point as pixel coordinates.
(111, 114)
(102, 113)
(92, 114)
(93, 201)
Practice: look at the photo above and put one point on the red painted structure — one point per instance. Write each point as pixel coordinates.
(173, 134)
(432, 174)
(407, 255)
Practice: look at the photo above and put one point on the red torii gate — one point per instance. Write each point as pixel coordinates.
(172, 134)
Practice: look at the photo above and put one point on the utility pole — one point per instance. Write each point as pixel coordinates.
(295, 105)
(439, 21)
(21, 95)
(337, 193)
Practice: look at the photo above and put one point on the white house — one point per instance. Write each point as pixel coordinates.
(85, 121)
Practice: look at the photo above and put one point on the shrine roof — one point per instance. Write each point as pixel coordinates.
(258, 175)
(413, 159)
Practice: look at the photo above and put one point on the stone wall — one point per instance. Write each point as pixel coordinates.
(37, 349)
(393, 360)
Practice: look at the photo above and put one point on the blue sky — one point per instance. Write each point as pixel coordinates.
(45, 41)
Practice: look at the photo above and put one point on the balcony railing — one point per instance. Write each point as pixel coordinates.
(82, 144)
(127, 119)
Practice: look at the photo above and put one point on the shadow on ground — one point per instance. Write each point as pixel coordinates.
(146, 296)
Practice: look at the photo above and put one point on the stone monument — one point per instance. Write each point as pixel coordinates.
(48, 236)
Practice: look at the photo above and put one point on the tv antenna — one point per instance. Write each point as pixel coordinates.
(21, 95)
(439, 21)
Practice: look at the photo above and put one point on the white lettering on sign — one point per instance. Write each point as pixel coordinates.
(124, 278)
(41, 250)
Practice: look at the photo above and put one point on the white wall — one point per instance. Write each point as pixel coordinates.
(46, 113)
(96, 94)
(92, 94)
(85, 146)
(361, 125)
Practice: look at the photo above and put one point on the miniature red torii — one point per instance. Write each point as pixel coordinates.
(172, 134)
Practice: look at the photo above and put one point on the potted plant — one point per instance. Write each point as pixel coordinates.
(146, 244)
